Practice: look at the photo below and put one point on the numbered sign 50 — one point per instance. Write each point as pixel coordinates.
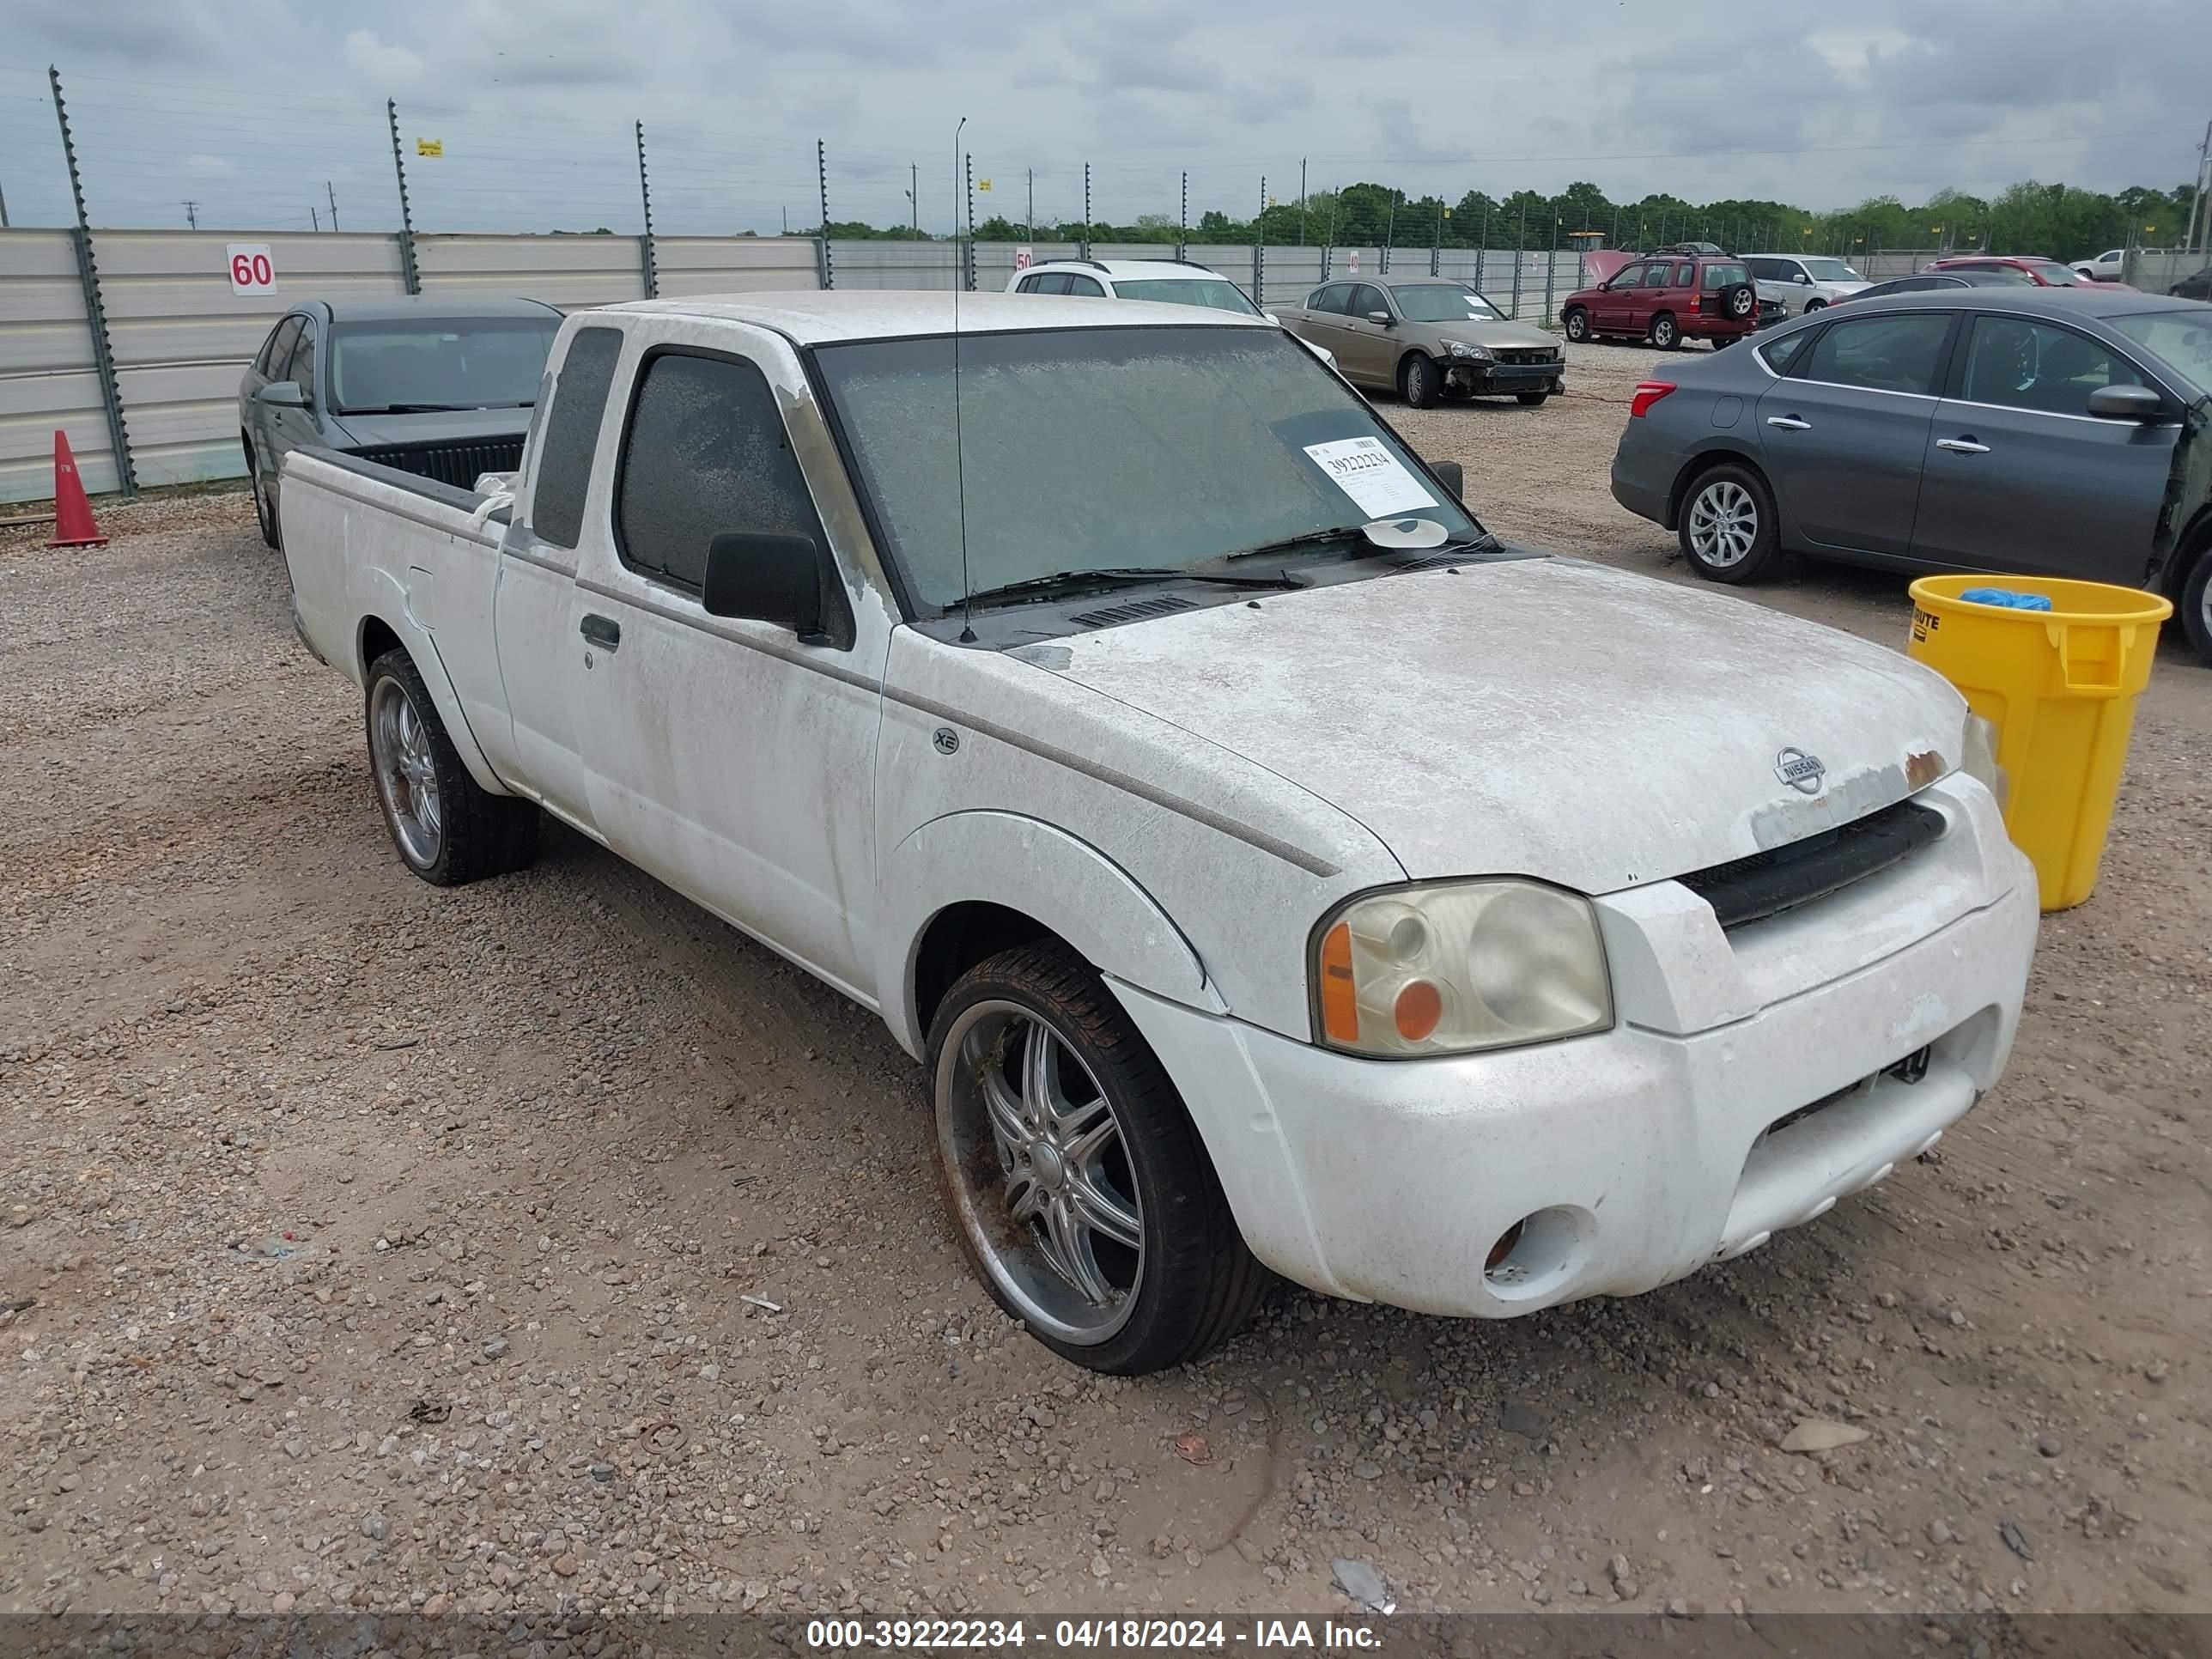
(252, 271)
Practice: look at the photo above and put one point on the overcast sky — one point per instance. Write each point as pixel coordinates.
(250, 108)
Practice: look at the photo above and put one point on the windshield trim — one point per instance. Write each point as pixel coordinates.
(912, 608)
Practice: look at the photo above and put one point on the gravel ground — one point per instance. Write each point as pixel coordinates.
(367, 1245)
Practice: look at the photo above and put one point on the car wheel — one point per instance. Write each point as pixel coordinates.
(1532, 399)
(448, 830)
(1727, 528)
(1082, 1191)
(1418, 381)
(1812, 306)
(1577, 325)
(1666, 333)
(264, 510)
(2196, 605)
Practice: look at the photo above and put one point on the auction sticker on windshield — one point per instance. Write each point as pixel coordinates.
(1368, 473)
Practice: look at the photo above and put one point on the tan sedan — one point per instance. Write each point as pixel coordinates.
(1424, 337)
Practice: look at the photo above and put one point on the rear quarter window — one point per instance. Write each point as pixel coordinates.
(572, 435)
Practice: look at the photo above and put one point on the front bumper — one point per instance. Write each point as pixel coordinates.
(1504, 377)
(1633, 1157)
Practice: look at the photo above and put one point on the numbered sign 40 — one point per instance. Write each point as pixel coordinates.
(252, 271)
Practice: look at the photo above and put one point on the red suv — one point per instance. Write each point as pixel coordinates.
(1694, 291)
(2038, 271)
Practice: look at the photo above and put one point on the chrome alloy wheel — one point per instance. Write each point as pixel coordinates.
(1040, 1178)
(406, 773)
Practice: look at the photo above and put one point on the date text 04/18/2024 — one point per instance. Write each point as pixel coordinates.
(1085, 1634)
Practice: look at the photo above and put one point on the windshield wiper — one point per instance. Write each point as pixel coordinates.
(1123, 576)
(1310, 539)
(411, 408)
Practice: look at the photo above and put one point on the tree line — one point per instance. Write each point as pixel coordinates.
(2061, 220)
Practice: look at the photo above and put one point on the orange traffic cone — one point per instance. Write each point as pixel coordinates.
(73, 521)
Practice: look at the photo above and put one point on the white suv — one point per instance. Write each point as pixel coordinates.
(1803, 282)
(1172, 282)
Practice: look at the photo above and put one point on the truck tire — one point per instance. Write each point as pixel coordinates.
(1576, 322)
(1666, 332)
(1532, 399)
(1418, 382)
(1727, 526)
(1739, 301)
(446, 830)
(1060, 1139)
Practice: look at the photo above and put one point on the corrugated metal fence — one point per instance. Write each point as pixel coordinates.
(180, 337)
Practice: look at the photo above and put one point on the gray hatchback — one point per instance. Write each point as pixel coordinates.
(2036, 431)
(439, 387)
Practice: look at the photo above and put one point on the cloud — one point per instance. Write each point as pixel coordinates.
(376, 64)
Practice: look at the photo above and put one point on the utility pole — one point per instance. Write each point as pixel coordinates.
(4, 207)
(645, 246)
(193, 214)
(1260, 247)
(408, 269)
(1302, 204)
(2200, 206)
(333, 195)
(1389, 229)
(314, 219)
(1182, 221)
(1028, 223)
(914, 196)
(1084, 252)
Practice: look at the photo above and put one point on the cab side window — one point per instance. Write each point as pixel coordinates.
(1367, 297)
(1084, 285)
(572, 435)
(706, 454)
(2018, 364)
(266, 358)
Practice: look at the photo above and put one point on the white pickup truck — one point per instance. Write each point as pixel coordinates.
(1268, 866)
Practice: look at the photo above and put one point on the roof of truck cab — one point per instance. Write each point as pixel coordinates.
(812, 317)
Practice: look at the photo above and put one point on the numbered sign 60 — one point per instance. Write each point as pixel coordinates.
(252, 271)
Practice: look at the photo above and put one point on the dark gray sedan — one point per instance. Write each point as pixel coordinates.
(439, 387)
(2045, 432)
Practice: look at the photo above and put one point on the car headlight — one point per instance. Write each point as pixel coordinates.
(1979, 759)
(1451, 967)
(1462, 348)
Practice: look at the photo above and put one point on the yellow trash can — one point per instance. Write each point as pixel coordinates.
(2060, 686)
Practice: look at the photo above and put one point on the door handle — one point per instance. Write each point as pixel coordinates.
(1789, 423)
(1962, 446)
(602, 631)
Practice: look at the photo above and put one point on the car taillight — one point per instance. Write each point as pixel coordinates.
(1648, 392)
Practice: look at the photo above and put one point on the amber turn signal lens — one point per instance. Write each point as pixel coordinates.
(1339, 996)
(1418, 1009)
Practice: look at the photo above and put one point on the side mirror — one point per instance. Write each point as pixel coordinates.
(1271, 318)
(281, 394)
(1802, 280)
(1382, 317)
(2126, 403)
(773, 579)
(1452, 477)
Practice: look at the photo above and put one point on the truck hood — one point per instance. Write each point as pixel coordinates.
(1540, 717)
(1842, 290)
(454, 426)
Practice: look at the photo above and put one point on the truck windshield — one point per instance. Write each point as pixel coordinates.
(444, 363)
(1110, 448)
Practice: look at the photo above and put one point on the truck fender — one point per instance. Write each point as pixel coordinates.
(388, 610)
(1025, 865)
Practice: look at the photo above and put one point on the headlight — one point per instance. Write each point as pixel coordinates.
(1456, 966)
(1462, 349)
(1979, 762)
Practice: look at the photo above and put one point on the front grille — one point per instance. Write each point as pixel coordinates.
(1748, 890)
(1130, 611)
(1527, 354)
(458, 465)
